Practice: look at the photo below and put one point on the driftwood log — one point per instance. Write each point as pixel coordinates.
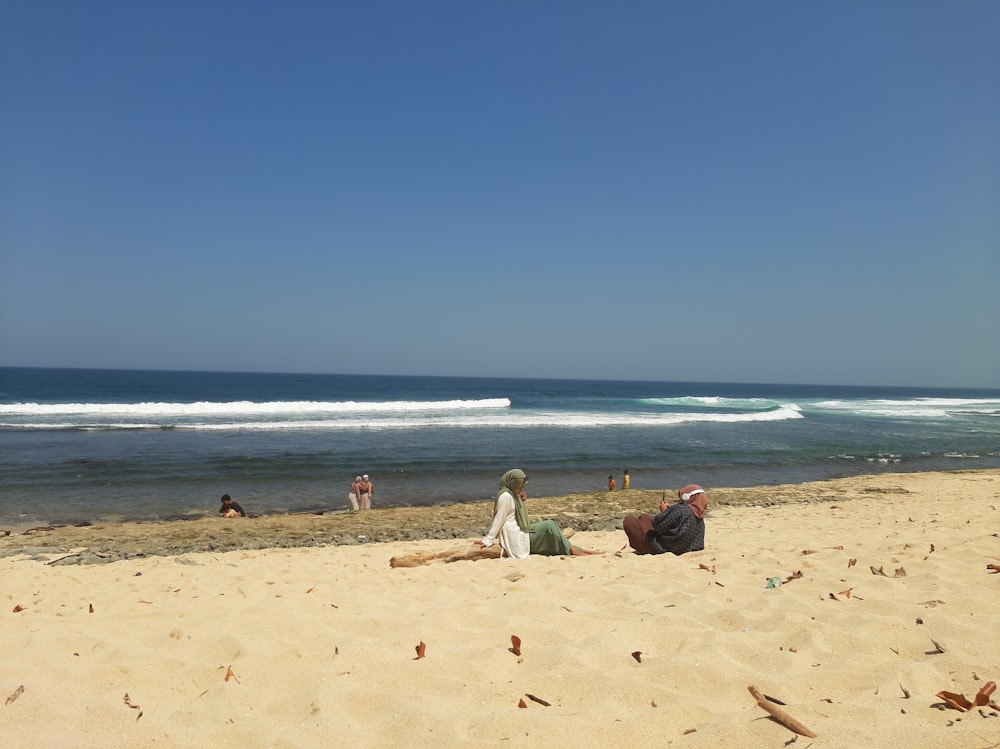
(425, 557)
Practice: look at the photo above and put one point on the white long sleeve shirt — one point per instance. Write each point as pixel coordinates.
(513, 540)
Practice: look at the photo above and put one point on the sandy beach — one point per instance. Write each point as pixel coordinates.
(854, 602)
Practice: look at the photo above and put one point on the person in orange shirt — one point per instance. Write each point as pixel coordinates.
(611, 484)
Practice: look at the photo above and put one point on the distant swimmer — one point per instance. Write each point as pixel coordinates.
(231, 509)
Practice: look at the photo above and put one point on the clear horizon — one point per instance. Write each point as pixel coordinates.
(725, 192)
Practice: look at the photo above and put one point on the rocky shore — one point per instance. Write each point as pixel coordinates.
(597, 511)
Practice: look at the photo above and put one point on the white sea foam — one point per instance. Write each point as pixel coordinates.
(394, 419)
(926, 408)
(713, 401)
(243, 408)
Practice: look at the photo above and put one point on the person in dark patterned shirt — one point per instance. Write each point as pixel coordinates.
(678, 528)
(231, 509)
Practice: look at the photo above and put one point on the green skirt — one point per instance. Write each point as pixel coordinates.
(547, 539)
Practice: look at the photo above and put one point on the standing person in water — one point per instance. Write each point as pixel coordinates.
(352, 498)
(678, 528)
(626, 480)
(517, 537)
(366, 489)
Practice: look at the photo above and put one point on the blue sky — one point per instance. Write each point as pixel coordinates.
(719, 191)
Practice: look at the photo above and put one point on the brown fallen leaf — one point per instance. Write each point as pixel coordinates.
(794, 576)
(879, 571)
(993, 567)
(706, 567)
(900, 572)
(983, 695)
(539, 700)
(515, 644)
(937, 648)
(522, 703)
(932, 549)
(955, 700)
(421, 650)
(919, 620)
(851, 563)
(809, 551)
(15, 694)
(131, 704)
(906, 692)
(231, 675)
(778, 714)
(637, 655)
(838, 548)
(845, 593)
(18, 608)
(91, 608)
(311, 589)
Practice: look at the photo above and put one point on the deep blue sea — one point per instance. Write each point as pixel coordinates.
(81, 445)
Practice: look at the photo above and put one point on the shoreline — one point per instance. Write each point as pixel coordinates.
(104, 542)
(859, 603)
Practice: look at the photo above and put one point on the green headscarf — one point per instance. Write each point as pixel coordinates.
(520, 514)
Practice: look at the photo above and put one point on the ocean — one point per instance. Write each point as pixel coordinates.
(88, 445)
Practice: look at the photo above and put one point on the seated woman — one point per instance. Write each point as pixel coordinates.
(678, 528)
(510, 525)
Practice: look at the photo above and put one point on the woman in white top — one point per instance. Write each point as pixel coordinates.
(517, 537)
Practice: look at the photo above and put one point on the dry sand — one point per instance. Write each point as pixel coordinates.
(316, 645)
